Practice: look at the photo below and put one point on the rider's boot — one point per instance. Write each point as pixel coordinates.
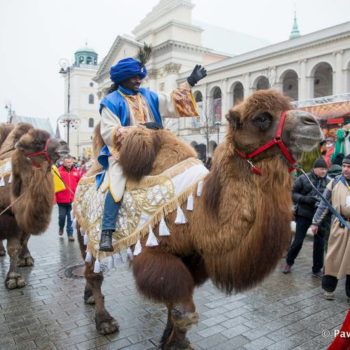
(106, 241)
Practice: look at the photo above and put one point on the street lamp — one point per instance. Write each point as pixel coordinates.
(218, 124)
(10, 112)
(67, 119)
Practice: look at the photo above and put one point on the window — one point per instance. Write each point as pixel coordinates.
(91, 99)
(91, 122)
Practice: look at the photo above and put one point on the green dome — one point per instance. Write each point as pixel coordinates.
(86, 56)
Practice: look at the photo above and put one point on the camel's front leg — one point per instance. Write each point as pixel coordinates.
(105, 323)
(165, 278)
(25, 258)
(2, 248)
(14, 279)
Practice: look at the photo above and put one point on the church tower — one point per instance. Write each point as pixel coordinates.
(81, 102)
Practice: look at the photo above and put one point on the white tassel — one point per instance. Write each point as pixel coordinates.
(86, 239)
(10, 179)
(152, 239)
(110, 263)
(189, 203)
(88, 256)
(129, 254)
(74, 224)
(118, 259)
(199, 188)
(97, 266)
(180, 216)
(82, 232)
(138, 248)
(163, 228)
(2, 182)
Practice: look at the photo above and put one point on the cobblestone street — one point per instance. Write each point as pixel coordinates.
(285, 312)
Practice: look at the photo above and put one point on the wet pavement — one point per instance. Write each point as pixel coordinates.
(285, 312)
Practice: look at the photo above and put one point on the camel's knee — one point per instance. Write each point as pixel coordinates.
(162, 277)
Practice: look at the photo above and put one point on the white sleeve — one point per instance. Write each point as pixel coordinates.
(109, 124)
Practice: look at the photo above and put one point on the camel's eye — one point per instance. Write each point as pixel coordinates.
(262, 121)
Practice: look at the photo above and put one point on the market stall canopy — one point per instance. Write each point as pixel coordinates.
(329, 110)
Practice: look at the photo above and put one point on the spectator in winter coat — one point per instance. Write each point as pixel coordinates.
(70, 176)
(306, 200)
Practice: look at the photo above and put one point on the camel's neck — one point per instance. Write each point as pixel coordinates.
(242, 223)
(33, 191)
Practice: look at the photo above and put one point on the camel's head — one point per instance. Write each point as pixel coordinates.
(39, 147)
(256, 121)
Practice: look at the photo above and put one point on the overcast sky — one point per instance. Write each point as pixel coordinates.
(35, 34)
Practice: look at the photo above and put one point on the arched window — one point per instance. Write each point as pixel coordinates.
(91, 99)
(290, 84)
(238, 93)
(262, 83)
(216, 107)
(91, 122)
(88, 60)
(323, 80)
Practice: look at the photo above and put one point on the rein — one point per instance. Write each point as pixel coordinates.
(44, 153)
(277, 140)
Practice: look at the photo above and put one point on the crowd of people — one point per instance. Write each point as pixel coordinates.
(314, 194)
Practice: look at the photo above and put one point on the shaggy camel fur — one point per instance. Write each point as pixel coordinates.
(239, 227)
(30, 193)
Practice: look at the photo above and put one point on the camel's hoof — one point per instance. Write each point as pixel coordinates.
(179, 345)
(2, 252)
(14, 280)
(23, 262)
(106, 324)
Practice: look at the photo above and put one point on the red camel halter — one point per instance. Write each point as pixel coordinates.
(44, 153)
(277, 140)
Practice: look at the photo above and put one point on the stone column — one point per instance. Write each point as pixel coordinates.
(338, 87)
(304, 88)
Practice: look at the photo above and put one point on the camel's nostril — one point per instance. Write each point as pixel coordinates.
(309, 120)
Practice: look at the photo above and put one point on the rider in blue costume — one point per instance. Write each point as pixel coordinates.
(126, 106)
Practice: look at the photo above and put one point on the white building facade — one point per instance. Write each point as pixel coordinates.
(81, 103)
(303, 67)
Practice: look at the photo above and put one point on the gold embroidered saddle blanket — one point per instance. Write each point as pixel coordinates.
(144, 205)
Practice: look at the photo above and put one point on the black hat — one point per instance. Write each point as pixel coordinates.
(346, 159)
(320, 163)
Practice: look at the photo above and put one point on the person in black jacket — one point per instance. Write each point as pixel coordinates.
(306, 200)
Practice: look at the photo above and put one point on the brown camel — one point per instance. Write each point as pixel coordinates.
(26, 199)
(240, 225)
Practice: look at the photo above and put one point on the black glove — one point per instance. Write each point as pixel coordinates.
(311, 200)
(197, 74)
(153, 125)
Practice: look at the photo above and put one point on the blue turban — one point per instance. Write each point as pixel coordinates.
(126, 69)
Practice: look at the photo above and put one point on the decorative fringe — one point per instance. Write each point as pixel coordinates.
(152, 239)
(138, 248)
(97, 266)
(86, 239)
(110, 262)
(82, 231)
(118, 259)
(189, 203)
(2, 182)
(88, 256)
(74, 224)
(199, 188)
(10, 179)
(129, 254)
(180, 216)
(163, 228)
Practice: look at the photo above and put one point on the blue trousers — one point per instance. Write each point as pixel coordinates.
(110, 213)
(64, 211)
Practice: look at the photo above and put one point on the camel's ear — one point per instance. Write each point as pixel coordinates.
(234, 119)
